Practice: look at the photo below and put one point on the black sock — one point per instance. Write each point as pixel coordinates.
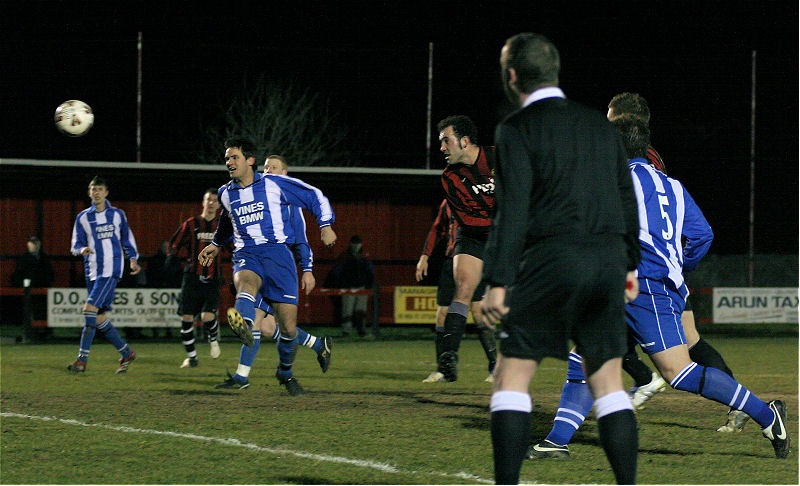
(620, 441)
(635, 367)
(454, 325)
(486, 337)
(212, 328)
(704, 354)
(438, 341)
(187, 336)
(511, 434)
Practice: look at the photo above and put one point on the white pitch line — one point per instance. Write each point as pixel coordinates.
(380, 466)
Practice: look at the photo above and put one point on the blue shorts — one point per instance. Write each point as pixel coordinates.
(101, 292)
(274, 263)
(655, 316)
(264, 305)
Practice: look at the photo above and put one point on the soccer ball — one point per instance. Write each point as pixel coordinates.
(74, 118)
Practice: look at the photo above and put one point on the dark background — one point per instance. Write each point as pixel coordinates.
(691, 60)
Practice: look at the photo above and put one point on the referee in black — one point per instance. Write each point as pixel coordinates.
(562, 241)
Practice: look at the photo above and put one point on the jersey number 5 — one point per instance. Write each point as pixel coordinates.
(663, 201)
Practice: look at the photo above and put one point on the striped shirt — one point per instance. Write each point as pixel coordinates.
(666, 213)
(260, 213)
(106, 233)
(444, 227)
(193, 235)
(470, 190)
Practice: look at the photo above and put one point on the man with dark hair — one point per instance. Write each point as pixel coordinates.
(100, 235)
(468, 183)
(265, 324)
(255, 212)
(561, 249)
(200, 285)
(634, 104)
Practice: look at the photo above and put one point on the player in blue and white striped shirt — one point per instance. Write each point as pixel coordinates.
(100, 235)
(666, 213)
(265, 324)
(256, 213)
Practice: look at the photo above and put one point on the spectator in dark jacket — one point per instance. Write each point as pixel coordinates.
(353, 270)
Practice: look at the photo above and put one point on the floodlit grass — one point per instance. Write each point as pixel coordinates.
(369, 420)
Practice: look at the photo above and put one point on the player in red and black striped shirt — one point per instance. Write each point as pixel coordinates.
(468, 182)
(200, 285)
(444, 228)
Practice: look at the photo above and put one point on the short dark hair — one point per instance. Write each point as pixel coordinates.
(630, 104)
(355, 239)
(210, 190)
(635, 134)
(98, 181)
(535, 60)
(244, 144)
(463, 126)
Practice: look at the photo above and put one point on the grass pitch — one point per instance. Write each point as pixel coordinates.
(369, 420)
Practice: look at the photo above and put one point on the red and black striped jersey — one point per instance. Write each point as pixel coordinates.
(443, 227)
(469, 190)
(193, 235)
(655, 160)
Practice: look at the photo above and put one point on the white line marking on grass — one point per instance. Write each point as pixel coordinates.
(380, 466)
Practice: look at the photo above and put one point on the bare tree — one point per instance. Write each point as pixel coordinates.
(282, 119)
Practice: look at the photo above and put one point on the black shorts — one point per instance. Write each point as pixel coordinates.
(567, 289)
(447, 286)
(471, 241)
(197, 296)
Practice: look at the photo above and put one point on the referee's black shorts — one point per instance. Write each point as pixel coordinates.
(567, 288)
(447, 286)
(198, 296)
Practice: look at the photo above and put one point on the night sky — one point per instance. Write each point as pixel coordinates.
(691, 60)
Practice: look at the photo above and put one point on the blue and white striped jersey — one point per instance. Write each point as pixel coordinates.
(300, 247)
(260, 213)
(106, 233)
(666, 214)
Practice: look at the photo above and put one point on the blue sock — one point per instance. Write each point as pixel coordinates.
(717, 385)
(287, 348)
(276, 334)
(309, 341)
(246, 357)
(575, 404)
(87, 335)
(110, 332)
(246, 305)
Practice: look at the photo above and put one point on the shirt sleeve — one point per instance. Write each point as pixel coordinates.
(697, 231)
(630, 209)
(126, 235)
(306, 196)
(301, 248)
(438, 230)
(513, 184)
(224, 232)
(78, 237)
(178, 240)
